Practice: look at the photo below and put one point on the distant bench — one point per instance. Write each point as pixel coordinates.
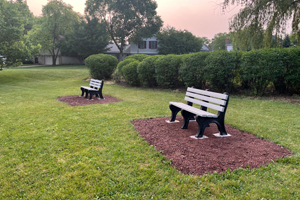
(205, 99)
(95, 88)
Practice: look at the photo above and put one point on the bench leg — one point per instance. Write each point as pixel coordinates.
(202, 124)
(100, 94)
(187, 116)
(91, 95)
(82, 92)
(221, 127)
(174, 111)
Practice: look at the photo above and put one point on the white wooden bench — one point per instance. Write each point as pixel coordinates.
(205, 99)
(94, 88)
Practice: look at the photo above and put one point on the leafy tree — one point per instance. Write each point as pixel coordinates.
(130, 19)
(272, 14)
(172, 41)
(58, 19)
(87, 38)
(14, 23)
(219, 41)
(286, 42)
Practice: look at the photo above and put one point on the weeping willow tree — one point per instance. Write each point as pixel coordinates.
(265, 18)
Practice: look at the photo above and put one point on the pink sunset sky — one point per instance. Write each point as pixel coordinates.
(204, 18)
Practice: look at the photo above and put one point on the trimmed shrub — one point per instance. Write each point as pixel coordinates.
(130, 73)
(290, 83)
(139, 57)
(122, 64)
(221, 70)
(146, 71)
(192, 69)
(166, 70)
(101, 66)
(260, 68)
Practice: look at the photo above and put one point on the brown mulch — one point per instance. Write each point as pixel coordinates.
(81, 101)
(202, 156)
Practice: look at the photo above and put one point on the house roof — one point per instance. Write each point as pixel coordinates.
(114, 49)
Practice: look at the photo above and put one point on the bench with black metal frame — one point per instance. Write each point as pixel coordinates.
(206, 99)
(95, 88)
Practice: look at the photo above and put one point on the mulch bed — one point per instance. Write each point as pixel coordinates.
(81, 101)
(198, 156)
(202, 156)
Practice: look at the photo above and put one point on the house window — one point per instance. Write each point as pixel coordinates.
(152, 44)
(142, 45)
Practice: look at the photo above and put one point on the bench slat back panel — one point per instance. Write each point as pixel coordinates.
(95, 83)
(209, 99)
(208, 93)
(208, 105)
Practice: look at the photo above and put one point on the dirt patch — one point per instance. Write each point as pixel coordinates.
(81, 101)
(201, 156)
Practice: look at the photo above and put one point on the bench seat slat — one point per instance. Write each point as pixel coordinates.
(209, 99)
(88, 88)
(194, 110)
(208, 93)
(208, 105)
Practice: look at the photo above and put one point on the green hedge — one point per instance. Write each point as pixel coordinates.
(146, 71)
(101, 66)
(139, 57)
(192, 69)
(166, 71)
(260, 68)
(123, 63)
(130, 73)
(222, 69)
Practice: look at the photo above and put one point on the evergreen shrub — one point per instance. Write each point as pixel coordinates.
(101, 66)
(130, 73)
(192, 69)
(146, 71)
(222, 68)
(139, 57)
(166, 71)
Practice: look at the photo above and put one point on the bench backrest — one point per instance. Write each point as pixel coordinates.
(207, 99)
(96, 83)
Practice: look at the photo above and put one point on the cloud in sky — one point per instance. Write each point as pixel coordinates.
(204, 18)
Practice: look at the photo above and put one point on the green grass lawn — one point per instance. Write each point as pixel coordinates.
(50, 150)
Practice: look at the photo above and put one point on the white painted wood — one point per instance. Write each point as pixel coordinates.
(194, 110)
(209, 99)
(208, 105)
(208, 93)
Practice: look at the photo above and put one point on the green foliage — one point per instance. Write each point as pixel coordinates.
(146, 71)
(57, 21)
(222, 69)
(275, 15)
(138, 57)
(192, 69)
(286, 42)
(290, 82)
(172, 41)
(247, 39)
(166, 71)
(101, 66)
(130, 19)
(15, 21)
(260, 68)
(219, 41)
(87, 37)
(122, 64)
(130, 73)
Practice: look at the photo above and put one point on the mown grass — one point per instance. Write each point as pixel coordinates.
(50, 150)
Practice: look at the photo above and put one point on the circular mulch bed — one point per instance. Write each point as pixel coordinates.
(201, 156)
(81, 101)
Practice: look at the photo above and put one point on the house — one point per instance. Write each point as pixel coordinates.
(45, 58)
(147, 46)
(228, 45)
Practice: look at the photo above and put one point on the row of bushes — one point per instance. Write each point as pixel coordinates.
(220, 71)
